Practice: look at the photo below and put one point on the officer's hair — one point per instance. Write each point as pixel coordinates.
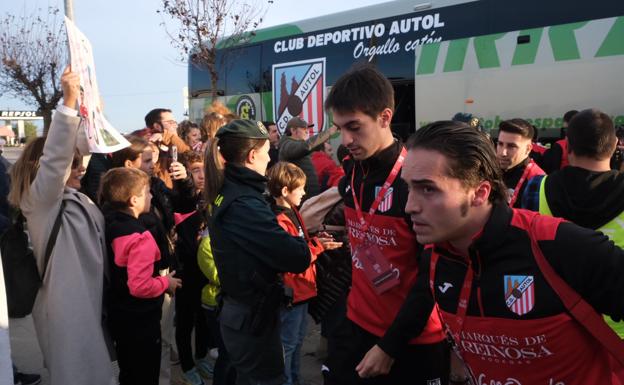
(591, 134)
(285, 174)
(363, 89)
(132, 152)
(231, 149)
(470, 154)
(517, 126)
(120, 184)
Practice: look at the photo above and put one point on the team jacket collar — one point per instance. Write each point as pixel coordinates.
(494, 231)
(385, 157)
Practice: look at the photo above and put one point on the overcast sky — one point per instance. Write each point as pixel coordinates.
(137, 69)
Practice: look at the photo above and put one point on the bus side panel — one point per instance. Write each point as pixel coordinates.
(500, 79)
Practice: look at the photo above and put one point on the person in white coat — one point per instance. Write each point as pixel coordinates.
(68, 309)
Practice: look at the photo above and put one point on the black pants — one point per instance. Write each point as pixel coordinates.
(189, 315)
(138, 352)
(258, 359)
(418, 364)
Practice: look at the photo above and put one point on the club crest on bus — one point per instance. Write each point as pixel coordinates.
(519, 293)
(299, 90)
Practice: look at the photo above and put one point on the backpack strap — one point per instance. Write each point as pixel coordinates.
(52, 240)
(580, 310)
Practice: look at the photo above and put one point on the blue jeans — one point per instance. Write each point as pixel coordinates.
(294, 327)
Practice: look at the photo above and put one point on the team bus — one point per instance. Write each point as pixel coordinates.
(534, 59)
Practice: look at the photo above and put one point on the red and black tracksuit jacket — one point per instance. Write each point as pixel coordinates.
(585, 259)
(391, 231)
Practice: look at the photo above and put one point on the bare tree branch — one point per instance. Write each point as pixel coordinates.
(205, 26)
(33, 51)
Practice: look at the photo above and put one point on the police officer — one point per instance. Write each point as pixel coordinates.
(250, 251)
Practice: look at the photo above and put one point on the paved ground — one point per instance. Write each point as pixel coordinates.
(27, 356)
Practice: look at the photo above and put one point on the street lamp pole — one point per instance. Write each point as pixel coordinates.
(69, 9)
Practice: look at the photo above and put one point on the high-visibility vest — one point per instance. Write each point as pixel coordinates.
(613, 229)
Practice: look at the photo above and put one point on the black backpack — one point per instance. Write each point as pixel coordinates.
(21, 275)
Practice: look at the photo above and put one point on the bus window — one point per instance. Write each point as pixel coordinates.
(243, 70)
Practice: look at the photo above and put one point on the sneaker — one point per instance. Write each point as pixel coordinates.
(192, 377)
(205, 368)
(26, 379)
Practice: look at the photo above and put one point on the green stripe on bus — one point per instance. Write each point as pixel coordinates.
(614, 42)
(455, 55)
(526, 53)
(485, 48)
(276, 32)
(267, 101)
(563, 41)
(428, 58)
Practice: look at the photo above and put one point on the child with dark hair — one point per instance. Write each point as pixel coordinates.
(136, 289)
(189, 312)
(286, 186)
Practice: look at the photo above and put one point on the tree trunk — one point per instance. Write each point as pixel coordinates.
(47, 120)
(214, 79)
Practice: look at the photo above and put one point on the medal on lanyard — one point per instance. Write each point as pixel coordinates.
(379, 272)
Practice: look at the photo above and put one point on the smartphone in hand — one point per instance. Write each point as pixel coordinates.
(174, 153)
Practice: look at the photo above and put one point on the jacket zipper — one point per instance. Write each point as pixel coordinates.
(476, 257)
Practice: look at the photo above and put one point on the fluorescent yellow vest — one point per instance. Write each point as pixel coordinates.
(614, 230)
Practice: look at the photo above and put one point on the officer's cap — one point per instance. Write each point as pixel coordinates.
(243, 128)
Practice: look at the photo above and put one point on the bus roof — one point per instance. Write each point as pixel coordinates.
(363, 14)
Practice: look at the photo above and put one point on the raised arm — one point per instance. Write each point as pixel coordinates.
(58, 151)
(295, 149)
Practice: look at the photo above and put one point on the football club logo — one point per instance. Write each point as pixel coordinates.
(246, 108)
(299, 90)
(386, 202)
(519, 293)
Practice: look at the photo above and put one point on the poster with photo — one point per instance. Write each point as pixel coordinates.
(102, 137)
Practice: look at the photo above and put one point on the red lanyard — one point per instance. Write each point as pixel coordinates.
(464, 296)
(382, 193)
(525, 174)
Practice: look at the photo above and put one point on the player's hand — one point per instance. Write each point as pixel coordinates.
(376, 362)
